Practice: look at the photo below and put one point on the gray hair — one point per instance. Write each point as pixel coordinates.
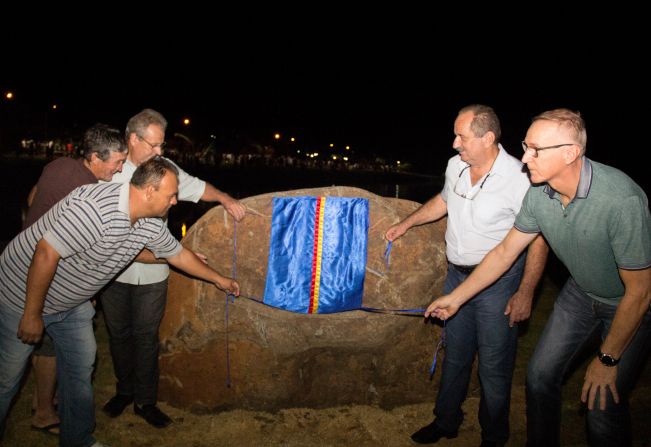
(152, 172)
(139, 122)
(101, 139)
(568, 119)
(485, 120)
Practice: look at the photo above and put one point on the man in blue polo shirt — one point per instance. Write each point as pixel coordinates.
(596, 219)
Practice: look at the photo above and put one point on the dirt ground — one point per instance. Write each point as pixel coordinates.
(340, 426)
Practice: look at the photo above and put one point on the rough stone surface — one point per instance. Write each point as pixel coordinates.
(280, 359)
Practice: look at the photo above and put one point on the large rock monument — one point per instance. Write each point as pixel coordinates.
(279, 359)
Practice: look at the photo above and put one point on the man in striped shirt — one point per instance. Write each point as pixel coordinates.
(49, 272)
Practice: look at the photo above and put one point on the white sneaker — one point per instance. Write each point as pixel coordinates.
(99, 444)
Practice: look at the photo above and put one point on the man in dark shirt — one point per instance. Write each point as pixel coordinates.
(104, 154)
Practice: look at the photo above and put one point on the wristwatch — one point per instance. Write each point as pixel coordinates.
(607, 359)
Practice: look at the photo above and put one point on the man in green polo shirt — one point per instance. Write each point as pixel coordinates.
(596, 219)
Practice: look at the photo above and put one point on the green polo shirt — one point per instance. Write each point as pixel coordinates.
(605, 228)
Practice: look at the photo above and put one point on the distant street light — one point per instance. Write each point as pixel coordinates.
(186, 121)
(9, 95)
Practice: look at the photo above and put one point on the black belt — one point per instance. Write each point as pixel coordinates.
(467, 269)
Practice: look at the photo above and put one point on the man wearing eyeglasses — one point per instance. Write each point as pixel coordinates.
(596, 219)
(134, 303)
(483, 192)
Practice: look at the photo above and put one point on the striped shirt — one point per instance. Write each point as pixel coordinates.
(90, 229)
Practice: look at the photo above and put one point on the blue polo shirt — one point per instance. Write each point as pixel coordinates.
(605, 227)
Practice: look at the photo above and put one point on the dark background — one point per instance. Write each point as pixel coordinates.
(386, 82)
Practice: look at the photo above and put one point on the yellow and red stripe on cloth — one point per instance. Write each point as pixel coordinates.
(318, 255)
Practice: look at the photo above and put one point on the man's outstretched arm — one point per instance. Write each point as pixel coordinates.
(191, 264)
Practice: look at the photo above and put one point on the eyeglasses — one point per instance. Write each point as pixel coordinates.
(152, 145)
(472, 193)
(535, 150)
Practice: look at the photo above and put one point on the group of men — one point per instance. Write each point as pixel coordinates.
(79, 236)
(501, 218)
(596, 220)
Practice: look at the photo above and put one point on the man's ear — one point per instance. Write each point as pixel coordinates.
(149, 191)
(571, 153)
(489, 138)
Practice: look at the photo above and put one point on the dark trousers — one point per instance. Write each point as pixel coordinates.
(133, 314)
(575, 319)
(480, 327)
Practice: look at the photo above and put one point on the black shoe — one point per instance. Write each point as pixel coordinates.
(152, 414)
(117, 404)
(432, 433)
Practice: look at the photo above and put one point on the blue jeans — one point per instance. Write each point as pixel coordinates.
(481, 327)
(133, 314)
(575, 319)
(74, 342)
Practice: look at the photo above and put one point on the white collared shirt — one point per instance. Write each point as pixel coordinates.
(476, 226)
(190, 189)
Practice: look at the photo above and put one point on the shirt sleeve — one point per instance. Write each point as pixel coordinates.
(521, 184)
(190, 188)
(78, 227)
(526, 221)
(449, 181)
(164, 245)
(630, 234)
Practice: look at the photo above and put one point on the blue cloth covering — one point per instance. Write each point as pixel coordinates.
(312, 271)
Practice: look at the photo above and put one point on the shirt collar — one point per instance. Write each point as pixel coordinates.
(585, 181)
(499, 165)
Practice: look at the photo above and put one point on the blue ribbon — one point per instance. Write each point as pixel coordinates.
(439, 346)
(387, 254)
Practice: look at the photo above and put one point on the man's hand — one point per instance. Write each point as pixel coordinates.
(597, 377)
(30, 329)
(519, 307)
(395, 231)
(235, 208)
(442, 308)
(228, 285)
(203, 258)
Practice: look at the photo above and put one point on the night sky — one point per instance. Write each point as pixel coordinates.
(390, 93)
